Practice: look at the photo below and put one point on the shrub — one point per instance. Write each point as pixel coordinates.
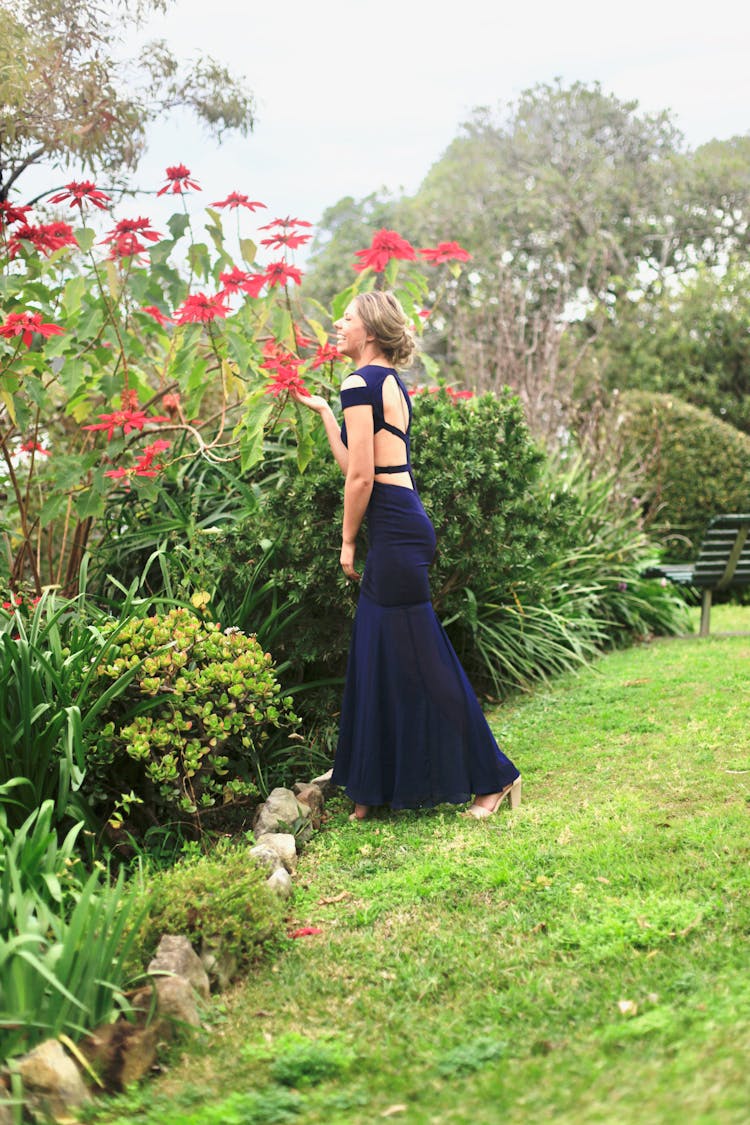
(218, 897)
(64, 936)
(191, 728)
(696, 466)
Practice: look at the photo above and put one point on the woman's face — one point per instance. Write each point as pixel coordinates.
(351, 334)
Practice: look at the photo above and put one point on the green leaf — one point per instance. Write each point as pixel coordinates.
(248, 250)
(178, 224)
(73, 293)
(85, 237)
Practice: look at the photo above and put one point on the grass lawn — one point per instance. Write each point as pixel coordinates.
(584, 959)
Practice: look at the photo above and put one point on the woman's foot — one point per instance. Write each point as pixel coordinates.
(488, 803)
(361, 812)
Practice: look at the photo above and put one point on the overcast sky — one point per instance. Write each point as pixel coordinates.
(358, 95)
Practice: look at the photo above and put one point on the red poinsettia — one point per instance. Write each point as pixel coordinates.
(46, 237)
(235, 200)
(12, 214)
(277, 357)
(79, 191)
(32, 446)
(237, 280)
(386, 244)
(129, 420)
(125, 239)
(178, 180)
(157, 314)
(25, 324)
(285, 223)
(284, 380)
(446, 252)
(285, 238)
(199, 308)
(281, 273)
(145, 466)
(326, 353)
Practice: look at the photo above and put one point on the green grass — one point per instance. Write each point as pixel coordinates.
(584, 959)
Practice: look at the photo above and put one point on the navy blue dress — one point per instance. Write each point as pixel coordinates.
(412, 731)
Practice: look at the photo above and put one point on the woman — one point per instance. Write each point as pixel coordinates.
(412, 732)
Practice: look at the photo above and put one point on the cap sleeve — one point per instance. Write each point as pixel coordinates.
(356, 396)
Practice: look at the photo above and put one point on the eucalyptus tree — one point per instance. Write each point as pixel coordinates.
(69, 94)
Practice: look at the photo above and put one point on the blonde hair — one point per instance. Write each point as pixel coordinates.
(384, 319)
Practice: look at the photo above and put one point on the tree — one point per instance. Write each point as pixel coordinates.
(65, 94)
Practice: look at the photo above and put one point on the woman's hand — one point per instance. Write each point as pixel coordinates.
(347, 560)
(312, 402)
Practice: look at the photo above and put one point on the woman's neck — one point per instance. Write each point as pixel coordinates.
(372, 356)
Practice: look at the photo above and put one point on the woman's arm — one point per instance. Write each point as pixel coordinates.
(360, 474)
(321, 407)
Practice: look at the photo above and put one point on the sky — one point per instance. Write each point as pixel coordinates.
(354, 96)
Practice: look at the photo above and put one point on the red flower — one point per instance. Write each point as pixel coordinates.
(25, 324)
(306, 931)
(144, 466)
(157, 314)
(286, 379)
(285, 223)
(301, 340)
(47, 237)
(32, 446)
(178, 180)
(279, 273)
(240, 281)
(11, 214)
(125, 239)
(171, 401)
(235, 200)
(386, 244)
(79, 191)
(278, 358)
(129, 420)
(119, 474)
(326, 353)
(199, 308)
(276, 241)
(129, 399)
(454, 394)
(446, 252)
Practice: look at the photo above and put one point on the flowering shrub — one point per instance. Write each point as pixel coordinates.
(190, 731)
(125, 351)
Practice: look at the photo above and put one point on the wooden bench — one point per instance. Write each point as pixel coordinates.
(723, 563)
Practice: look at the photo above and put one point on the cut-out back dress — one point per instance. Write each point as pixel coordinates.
(412, 731)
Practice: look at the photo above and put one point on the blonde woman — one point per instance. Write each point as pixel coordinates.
(412, 731)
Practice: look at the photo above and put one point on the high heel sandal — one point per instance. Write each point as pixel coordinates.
(481, 812)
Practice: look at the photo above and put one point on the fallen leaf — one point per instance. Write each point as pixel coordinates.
(601, 879)
(336, 898)
(628, 1007)
(393, 1110)
(306, 931)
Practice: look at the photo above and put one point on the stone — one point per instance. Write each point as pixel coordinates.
(6, 1109)
(285, 846)
(279, 812)
(280, 882)
(266, 858)
(52, 1083)
(176, 1001)
(312, 796)
(219, 963)
(324, 783)
(176, 956)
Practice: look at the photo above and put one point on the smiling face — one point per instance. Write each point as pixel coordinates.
(351, 334)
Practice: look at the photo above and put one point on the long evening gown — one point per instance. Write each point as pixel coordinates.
(412, 731)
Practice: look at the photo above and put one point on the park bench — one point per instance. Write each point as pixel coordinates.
(723, 563)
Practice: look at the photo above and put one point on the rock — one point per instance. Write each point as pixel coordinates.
(267, 858)
(324, 783)
(285, 846)
(123, 1052)
(176, 955)
(312, 796)
(176, 999)
(219, 963)
(51, 1081)
(279, 812)
(280, 882)
(6, 1109)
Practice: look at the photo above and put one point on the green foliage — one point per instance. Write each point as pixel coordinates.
(696, 466)
(49, 704)
(64, 937)
(300, 1061)
(690, 341)
(217, 898)
(192, 727)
